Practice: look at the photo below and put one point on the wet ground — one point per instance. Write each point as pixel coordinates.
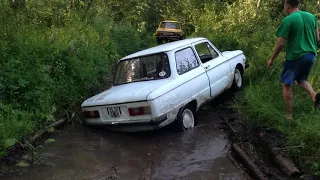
(85, 153)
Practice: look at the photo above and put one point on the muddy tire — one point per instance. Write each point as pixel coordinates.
(186, 118)
(237, 79)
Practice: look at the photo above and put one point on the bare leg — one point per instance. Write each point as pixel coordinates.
(287, 97)
(306, 86)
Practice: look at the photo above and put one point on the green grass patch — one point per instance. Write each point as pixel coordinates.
(14, 124)
(263, 103)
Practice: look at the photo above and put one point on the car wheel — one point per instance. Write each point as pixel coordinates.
(185, 119)
(237, 80)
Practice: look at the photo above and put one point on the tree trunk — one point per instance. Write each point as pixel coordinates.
(318, 6)
(258, 4)
(283, 163)
(43, 131)
(251, 166)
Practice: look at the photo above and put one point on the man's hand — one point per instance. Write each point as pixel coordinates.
(270, 62)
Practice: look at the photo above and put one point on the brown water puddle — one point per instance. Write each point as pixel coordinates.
(85, 153)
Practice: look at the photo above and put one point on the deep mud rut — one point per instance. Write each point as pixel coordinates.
(86, 153)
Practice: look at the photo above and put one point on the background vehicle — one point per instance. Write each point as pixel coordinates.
(169, 31)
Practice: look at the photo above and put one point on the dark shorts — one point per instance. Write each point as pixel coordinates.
(298, 69)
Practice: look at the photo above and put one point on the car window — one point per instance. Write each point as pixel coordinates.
(205, 52)
(213, 52)
(186, 60)
(151, 67)
(170, 25)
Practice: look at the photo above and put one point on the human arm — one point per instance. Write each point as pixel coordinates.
(317, 30)
(277, 49)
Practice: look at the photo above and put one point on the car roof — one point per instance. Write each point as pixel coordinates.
(169, 21)
(164, 47)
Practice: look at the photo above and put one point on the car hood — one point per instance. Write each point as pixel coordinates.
(132, 92)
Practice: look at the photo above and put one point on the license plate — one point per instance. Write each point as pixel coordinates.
(114, 112)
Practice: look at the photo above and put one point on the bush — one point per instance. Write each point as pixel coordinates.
(14, 124)
(49, 69)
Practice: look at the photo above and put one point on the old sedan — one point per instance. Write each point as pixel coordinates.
(165, 84)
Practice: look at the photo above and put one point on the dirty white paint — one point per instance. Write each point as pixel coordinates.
(167, 96)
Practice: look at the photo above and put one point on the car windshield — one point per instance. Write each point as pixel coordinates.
(144, 68)
(170, 25)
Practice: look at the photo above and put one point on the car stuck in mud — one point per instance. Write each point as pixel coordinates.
(165, 84)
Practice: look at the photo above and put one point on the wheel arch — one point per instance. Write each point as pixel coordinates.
(240, 67)
(192, 105)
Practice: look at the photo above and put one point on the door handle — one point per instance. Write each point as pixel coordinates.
(207, 67)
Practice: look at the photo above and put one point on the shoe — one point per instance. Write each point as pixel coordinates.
(317, 102)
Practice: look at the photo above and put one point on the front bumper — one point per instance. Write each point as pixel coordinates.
(175, 37)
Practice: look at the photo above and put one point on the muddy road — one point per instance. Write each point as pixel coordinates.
(85, 153)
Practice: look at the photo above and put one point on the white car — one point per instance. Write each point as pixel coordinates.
(165, 84)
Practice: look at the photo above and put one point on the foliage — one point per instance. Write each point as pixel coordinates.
(31, 157)
(23, 164)
(48, 141)
(9, 143)
(53, 53)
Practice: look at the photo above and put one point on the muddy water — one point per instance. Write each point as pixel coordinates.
(85, 153)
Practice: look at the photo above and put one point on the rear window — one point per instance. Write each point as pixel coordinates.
(151, 67)
(170, 25)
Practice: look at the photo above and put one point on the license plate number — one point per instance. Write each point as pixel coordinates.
(114, 112)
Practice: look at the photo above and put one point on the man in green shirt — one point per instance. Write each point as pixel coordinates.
(298, 34)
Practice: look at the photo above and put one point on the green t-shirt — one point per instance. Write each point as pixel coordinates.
(299, 30)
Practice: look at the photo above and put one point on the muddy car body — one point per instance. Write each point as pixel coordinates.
(165, 84)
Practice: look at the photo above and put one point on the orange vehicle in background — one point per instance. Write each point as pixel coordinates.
(169, 31)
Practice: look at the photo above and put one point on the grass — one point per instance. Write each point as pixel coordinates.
(262, 103)
(14, 124)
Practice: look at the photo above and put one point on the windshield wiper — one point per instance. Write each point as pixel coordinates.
(143, 79)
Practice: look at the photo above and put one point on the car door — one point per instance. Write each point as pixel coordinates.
(217, 67)
(192, 79)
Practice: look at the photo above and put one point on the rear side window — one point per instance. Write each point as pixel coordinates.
(186, 60)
